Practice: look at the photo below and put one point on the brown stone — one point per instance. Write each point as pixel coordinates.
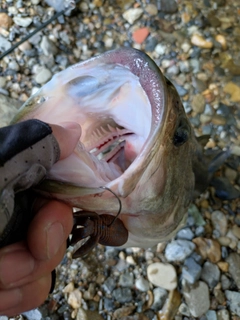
(5, 20)
(208, 248)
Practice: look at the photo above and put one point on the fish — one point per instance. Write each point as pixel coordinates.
(136, 142)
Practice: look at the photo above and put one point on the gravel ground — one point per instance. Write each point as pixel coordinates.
(196, 45)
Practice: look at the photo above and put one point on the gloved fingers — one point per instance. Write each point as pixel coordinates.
(27, 297)
(67, 135)
(23, 263)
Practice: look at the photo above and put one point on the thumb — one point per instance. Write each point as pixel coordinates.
(67, 135)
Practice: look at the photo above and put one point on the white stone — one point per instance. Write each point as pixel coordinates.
(22, 22)
(43, 76)
(162, 275)
(131, 15)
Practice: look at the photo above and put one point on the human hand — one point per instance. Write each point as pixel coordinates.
(25, 267)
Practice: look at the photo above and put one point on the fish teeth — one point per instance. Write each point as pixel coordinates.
(111, 129)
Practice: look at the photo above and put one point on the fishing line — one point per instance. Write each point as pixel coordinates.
(17, 44)
(120, 205)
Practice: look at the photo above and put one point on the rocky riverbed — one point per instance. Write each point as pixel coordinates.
(196, 45)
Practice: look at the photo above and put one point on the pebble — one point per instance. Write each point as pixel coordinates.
(5, 20)
(3, 82)
(210, 274)
(198, 103)
(160, 295)
(191, 270)
(234, 267)
(48, 46)
(179, 250)
(162, 275)
(223, 315)
(201, 42)
(75, 299)
(142, 284)
(131, 15)
(234, 301)
(140, 35)
(197, 298)
(236, 231)
(122, 295)
(34, 314)
(4, 44)
(211, 315)
(151, 9)
(208, 248)
(219, 221)
(126, 280)
(186, 234)
(225, 282)
(160, 49)
(222, 40)
(234, 91)
(13, 65)
(184, 310)
(22, 22)
(43, 75)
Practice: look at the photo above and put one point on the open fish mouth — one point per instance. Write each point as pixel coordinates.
(118, 99)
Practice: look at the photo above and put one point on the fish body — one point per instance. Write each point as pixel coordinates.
(136, 140)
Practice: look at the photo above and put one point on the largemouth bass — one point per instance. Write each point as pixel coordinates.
(136, 141)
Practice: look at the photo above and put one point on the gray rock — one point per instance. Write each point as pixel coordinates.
(3, 82)
(22, 22)
(173, 70)
(210, 274)
(179, 250)
(233, 298)
(160, 295)
(225, 282)
(199, 231)
(4, 44)
(191, 271)
(43, 76)
(223, 315)
(109, 285)
(184, 66)
(195, 65)
(197, 298)
(34, 314)
(181, 90)
(48, 47)
(126, 280)
(13, 65)
(234, 267)
(122, 295)
(185, 233)
(211, 315)
(219, 221)
(184, 310)
(142, 284)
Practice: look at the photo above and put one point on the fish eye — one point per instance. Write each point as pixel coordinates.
(182, 133)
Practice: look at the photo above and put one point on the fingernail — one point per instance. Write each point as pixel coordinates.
(73, 126)
(15, 266)
(55, 239)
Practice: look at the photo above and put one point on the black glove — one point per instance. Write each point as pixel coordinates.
(27, 150)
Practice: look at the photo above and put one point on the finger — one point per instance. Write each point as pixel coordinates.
(49, 229)
(30, 296)
(67, 135)
(46, 246)
(18, 268)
